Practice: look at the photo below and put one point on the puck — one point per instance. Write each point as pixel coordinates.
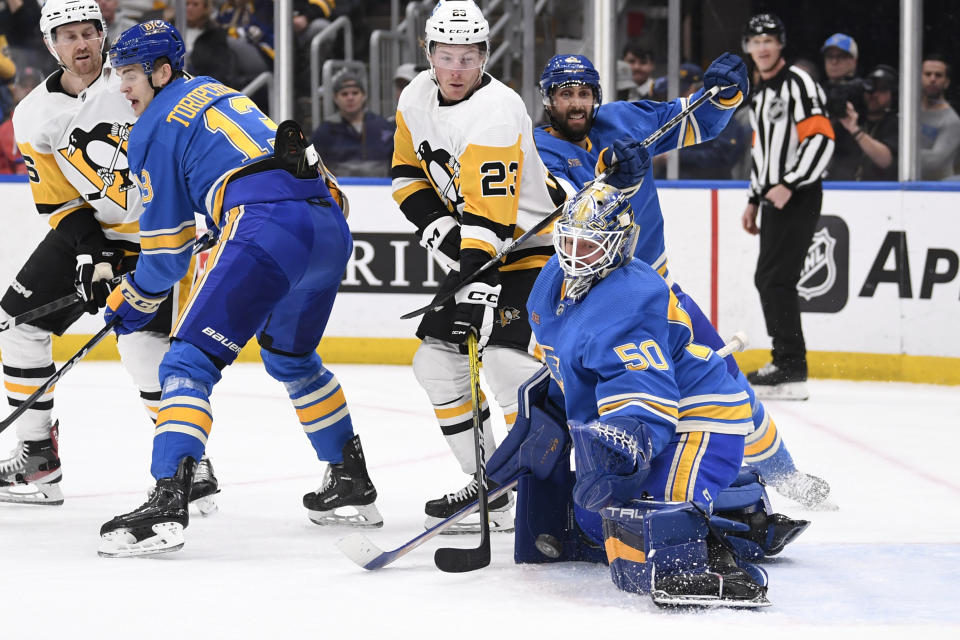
(548, 545)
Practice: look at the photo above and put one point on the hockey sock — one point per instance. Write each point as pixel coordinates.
(323, 412)
(456, 423)
(765, 450)
(183, 425)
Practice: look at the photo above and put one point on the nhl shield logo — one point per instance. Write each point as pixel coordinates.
(819, 271)
(825, 275)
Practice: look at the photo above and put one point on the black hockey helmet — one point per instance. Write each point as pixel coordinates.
(764, 24)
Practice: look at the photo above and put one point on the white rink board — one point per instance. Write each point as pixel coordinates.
(888, 322)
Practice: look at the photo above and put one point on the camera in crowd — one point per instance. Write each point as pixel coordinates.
(852, 90)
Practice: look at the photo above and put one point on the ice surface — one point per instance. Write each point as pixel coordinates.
(886, 564)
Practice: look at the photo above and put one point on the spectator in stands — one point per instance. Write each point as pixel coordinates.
(139, 10)
(116, 22)
(310, 17)
(208, 48)
(250, 21)
(403, 76)
(8, 71)
(355, 142)
(642, 63)
(11, 162)
(939, 123)
(876, 131)
(625, 83)
(18, 22)
(844, 92)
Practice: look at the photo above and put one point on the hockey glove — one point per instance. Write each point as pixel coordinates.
(632, 163)
(613, 460)
(95, 268)
(442, 239)
(130, 306)
(727, 70)
(476, 303)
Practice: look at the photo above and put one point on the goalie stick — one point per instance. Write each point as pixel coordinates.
(366, 554)
(738, 342)
(203, 243)
(548, 220)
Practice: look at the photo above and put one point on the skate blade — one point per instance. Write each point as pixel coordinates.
(664, 599)
(362, 516)
(167, 538)
(45, 494)
(205, 506)
(500, 522)
(785, 391)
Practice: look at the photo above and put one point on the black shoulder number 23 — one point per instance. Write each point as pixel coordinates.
(495, 181)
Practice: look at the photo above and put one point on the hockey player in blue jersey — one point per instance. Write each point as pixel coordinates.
(657, 426)
(283, 246)
(584, 135)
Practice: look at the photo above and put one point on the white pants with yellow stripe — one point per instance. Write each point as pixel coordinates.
(444, 373)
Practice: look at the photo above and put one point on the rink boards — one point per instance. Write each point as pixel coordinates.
(880, 287)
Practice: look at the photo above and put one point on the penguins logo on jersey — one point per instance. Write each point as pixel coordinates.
(444, 172)
(100, 155)
(508, 315)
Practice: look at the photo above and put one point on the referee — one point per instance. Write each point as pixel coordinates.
(793, 142)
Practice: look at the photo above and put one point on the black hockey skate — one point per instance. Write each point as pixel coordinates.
(157, 525)
(31, 475)
(205, 486)
(723, 584)
(345, 484)
(780, 381)
(501, 519)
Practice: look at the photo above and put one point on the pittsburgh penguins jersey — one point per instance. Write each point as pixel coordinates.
(171, 159)
(626, 349)
(636, 120)
(75, 151)
(475, 160)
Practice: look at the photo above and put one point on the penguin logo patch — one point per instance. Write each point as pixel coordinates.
(100, 155)
(444, 172)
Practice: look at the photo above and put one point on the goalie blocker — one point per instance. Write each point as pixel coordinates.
(682, 553)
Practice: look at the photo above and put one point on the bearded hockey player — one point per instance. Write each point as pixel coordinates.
(72, 132)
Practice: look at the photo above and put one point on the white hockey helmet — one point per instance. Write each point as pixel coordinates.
(56, 13)
(457, 22)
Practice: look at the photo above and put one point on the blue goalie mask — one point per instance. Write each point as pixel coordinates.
(594, 235)
(146, 43)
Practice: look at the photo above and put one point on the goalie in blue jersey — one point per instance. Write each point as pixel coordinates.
(584, 135)
(283, 245)
(656, 422)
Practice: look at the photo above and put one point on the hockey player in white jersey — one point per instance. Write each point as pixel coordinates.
(72, 132)
(467, 174)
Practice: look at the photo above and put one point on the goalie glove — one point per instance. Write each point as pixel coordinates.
(130, 306)
(613, 460)
(632, 162)
(442, 239)
(95, 269)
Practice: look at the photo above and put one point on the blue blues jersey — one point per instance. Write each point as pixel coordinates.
(626, 349)
(169, 152)
(636, 120)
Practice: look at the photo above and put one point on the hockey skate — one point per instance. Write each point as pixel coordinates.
(810, 491)
(723, 584)
(31, 475)
(345, 484)
(772, 382)
(205, 487)
(157, 525)
(501, 518)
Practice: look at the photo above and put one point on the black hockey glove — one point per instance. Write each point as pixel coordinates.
(95, 268)
(476, 303)
(442, 239)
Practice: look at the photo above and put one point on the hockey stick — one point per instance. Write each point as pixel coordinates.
(737, 343)
(548, 220)
(202, 245)
(366, 554)
(84, 350)
(453, 559)
(204, 242)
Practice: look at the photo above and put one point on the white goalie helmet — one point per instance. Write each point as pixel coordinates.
(594, 235)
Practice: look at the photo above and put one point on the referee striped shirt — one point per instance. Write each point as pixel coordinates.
(793, 140)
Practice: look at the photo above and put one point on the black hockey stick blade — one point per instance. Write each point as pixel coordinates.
(548, 220)
(364, 553)
(453, 560)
